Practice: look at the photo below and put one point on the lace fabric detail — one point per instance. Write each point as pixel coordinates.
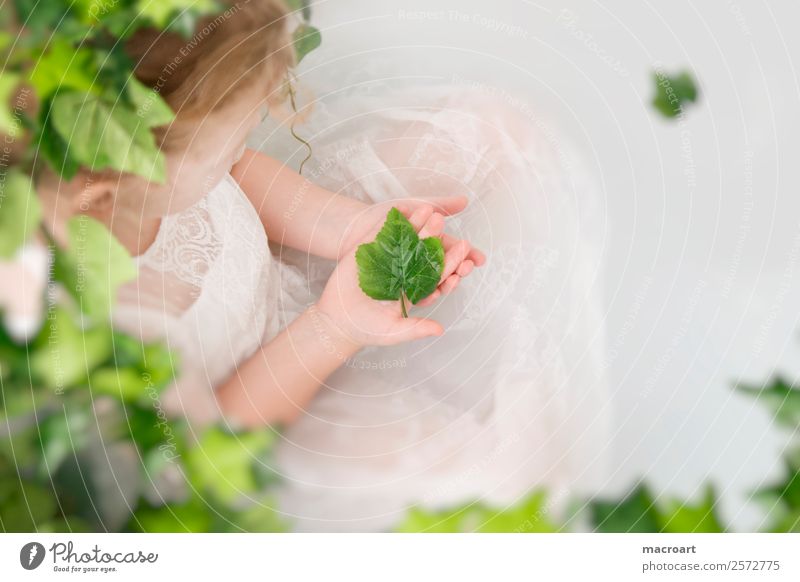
(186, 245)
(203, 291)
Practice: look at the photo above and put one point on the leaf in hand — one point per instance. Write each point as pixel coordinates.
(399, 264)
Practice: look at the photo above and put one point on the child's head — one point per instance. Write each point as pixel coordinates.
(219, 83)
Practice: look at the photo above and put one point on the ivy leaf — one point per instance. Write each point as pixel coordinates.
(160, 12)
(637, 513)
(94, 11)
(54, 150)
(673, 93)
(8, 85)
(306, 38)
(150, 106)
(65, 354)
(94, 266)
(107, 135)
(191, 517)
(684, 517)
(64, 67)
(20, 211)
(135, 381)
(41, 16)
(61, 434)
(528, 516)
(398, 264)
(25, 506)
(781, 397)
(304, 6)
(782, 500)
(222, 463)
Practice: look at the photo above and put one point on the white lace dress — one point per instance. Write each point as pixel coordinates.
(511, 398)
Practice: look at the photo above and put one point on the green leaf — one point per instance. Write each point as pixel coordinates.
(529, 516)
(261, 516)
(71, 524)
(54, 150)
(532, 515)
(20, 211)
(26, 507)
(137, 372)
(153, 110)
(683, 517)
(782, 500)
(398, 263)
(6, 38)
(94, 266)
(39, 15)
(306, 38)
(192, 517)
(94, 11)
(62, 434)
(673, 93)
(160, 12)
(222, 463)
(127, 384)
(8, 86)
(64, 67)
(64, 354)
(107, 135)
(637, 512)
(422, 521)
(143, 425)
(781, 397)
(304, 6)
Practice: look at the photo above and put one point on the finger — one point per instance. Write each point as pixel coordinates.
(434, 226)
(474, 255)
(412, 328)
(430, 299)
(420, 215)
(450, 284)
(465, 268)
(447, 205)
(453, 258)
(477, 257)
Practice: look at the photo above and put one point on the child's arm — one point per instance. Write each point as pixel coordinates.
(299, 214)
(296, 212)
(277, 382)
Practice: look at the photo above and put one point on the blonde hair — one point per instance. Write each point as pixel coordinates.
(248, 45)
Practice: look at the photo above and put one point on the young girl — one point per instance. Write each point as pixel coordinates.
(498, 394)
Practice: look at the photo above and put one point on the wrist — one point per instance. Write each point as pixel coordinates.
(330, 333)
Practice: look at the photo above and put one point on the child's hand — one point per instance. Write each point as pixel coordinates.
(364, 224)
(365, 321)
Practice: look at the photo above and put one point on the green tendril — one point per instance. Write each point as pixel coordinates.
(294, 118)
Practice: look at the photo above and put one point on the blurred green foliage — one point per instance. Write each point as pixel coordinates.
(85, 444)
(640, 509)
(673, 93)
(532, 515)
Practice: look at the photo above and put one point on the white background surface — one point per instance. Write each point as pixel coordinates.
(703, 225)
